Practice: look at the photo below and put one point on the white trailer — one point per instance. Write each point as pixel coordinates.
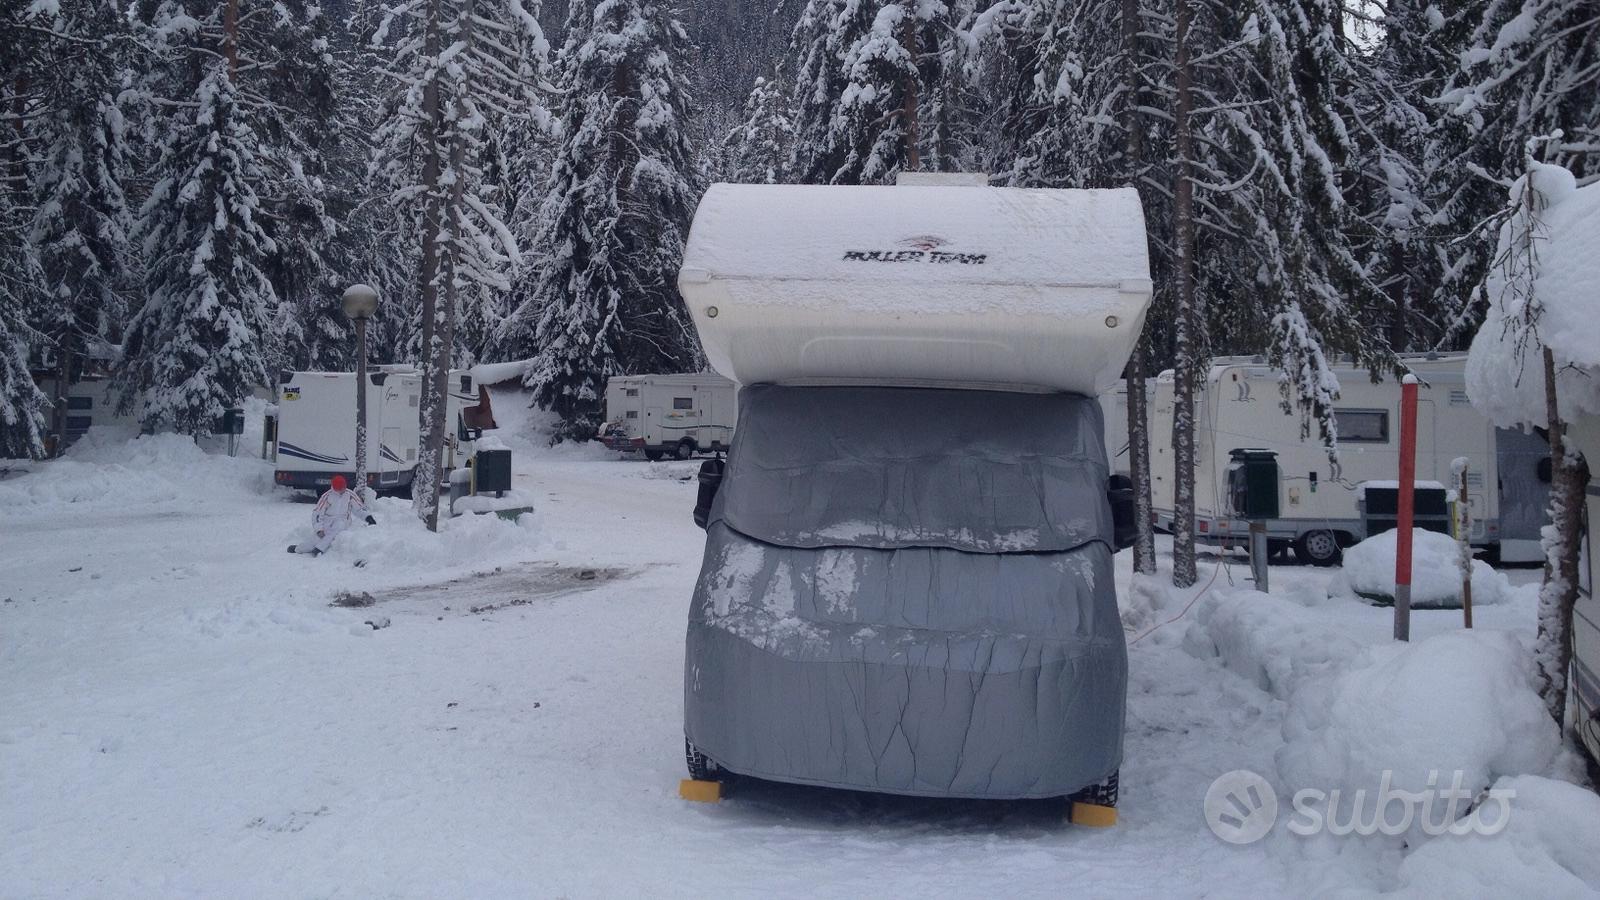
(670, 415)
(1240, 407)
(312, 437)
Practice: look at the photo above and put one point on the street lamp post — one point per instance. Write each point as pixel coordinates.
(360, 303)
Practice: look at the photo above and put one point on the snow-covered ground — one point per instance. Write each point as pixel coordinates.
(182, 712)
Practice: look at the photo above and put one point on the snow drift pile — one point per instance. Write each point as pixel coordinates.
(998, 288)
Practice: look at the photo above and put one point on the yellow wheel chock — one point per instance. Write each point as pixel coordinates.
(1092, 815)
(700, 791)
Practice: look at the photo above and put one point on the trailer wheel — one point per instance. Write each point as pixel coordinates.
(1318, 548)
(684, 450)
(654, 455)
(701, 768)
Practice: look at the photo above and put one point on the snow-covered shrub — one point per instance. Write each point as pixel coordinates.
(1435, 572)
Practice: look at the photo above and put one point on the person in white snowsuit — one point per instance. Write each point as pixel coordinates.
(335, 511)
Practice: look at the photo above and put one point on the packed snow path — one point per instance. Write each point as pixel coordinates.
(183, 713)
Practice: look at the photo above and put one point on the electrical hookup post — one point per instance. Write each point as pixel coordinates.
(1408, 487)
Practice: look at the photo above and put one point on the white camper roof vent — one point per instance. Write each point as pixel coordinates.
(998, 288)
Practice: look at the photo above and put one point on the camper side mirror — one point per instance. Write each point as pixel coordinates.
(710, 480)
(1124, 520)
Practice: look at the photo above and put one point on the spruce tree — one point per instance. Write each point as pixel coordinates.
(864, 73)
(603, 299)
(196, 347)
(758, 149)
(81, 220)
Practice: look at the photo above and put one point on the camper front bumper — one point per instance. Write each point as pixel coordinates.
(622, 443)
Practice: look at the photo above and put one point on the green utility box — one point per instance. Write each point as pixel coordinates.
(1253, 483)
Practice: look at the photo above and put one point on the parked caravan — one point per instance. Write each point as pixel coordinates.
(907, 584)
(311, 437)
(92, 401)
(669, 415)
(1239, 409)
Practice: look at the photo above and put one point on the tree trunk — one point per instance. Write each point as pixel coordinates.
(1562, 546)
(230, 36)
(1185, 325)
(1144, 545)
(910, 135)
(430, 412)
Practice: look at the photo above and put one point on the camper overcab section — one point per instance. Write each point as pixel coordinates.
(907, 583)
(1240, 420)
(669, 415)
(313, 432)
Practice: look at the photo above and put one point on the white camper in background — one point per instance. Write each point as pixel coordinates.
(312, 438)
(1240, 408)
(669, 415)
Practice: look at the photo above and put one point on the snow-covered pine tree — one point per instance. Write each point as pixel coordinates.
(458, 66)
(605, 299)
(311, 151)
(81, 220)
(196, 347)
(1405, 242)
(757, 149)
(1531, 68)
(863, 69)
(22, 404)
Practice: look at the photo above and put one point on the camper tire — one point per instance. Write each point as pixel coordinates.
(701, 768)
(684, 450)
(654, 455)
(1318, 548)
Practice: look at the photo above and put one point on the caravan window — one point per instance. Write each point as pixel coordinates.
(683, 403)
(633, 392)
(633, 414)
(1362, 426)
(80, 403)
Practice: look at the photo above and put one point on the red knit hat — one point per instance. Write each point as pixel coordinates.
(339, 483)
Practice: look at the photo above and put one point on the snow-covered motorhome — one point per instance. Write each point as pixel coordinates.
(1240, 408)
(312, 437)
(669, 415)
(907, 584)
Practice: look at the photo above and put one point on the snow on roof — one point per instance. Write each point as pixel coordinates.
(971, 286)
(497, 373)
(1508, 389)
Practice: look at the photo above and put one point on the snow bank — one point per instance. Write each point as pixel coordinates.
(400, 542)
(1277, 645)
(487, 503)
(1550, 847)
(1510, 390)
(1460, 701)
(105, 470)
(1435, 572)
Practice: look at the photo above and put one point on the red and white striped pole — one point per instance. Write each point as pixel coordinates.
(1408, 486)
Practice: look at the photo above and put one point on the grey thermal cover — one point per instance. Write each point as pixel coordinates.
(910, 591)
